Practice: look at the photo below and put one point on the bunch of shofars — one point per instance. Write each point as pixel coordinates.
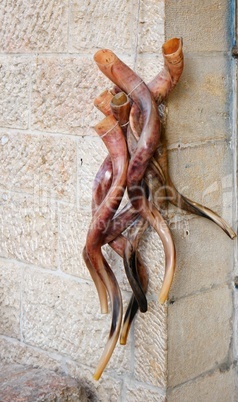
(133, 133)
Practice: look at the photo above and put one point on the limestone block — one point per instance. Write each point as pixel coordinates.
(138, 393)
(151, 345)
(218, 386)
(91, 154)
(27, 26)
(202, 174)
(109, 25)
(10, 299)
(236, 383)
(73, 226)
(236, 323)
(152, 253)
(203, 25)
(13, 351)
(204, 257)
(44, 166)
(29, 384)
(204, 94)
(199, 334)
(63, 94)
(29, 231)
(151, 26)
(15, 75)
(148, 66)
(108, 389)
(61, 315)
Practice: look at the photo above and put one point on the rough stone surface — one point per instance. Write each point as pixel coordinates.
(10, 299)
(236, 324)
(217, 387)
(108, 389)
(73, 226)
(91, 154)
(19, 383)
(61, 315)
(27, 26)
(204, 174)
(74, 222)
(151, 345)
(201, 331)
(204, 25)
(151, 26)
(236, 383)
(152, 253)
(16, 352)
(140, 394)
(15, 75)
(91, 25)
(44, 166)
(148, 66)
(63, 93)
(28, 229)
(200, 112)
(204, 257)
(204, 77)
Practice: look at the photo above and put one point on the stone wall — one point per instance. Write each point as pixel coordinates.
(49, 154)
(202, 143)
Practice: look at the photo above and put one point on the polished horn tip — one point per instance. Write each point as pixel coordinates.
(233, 235)
(123, 341)
(96, 376)
(162, 298)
